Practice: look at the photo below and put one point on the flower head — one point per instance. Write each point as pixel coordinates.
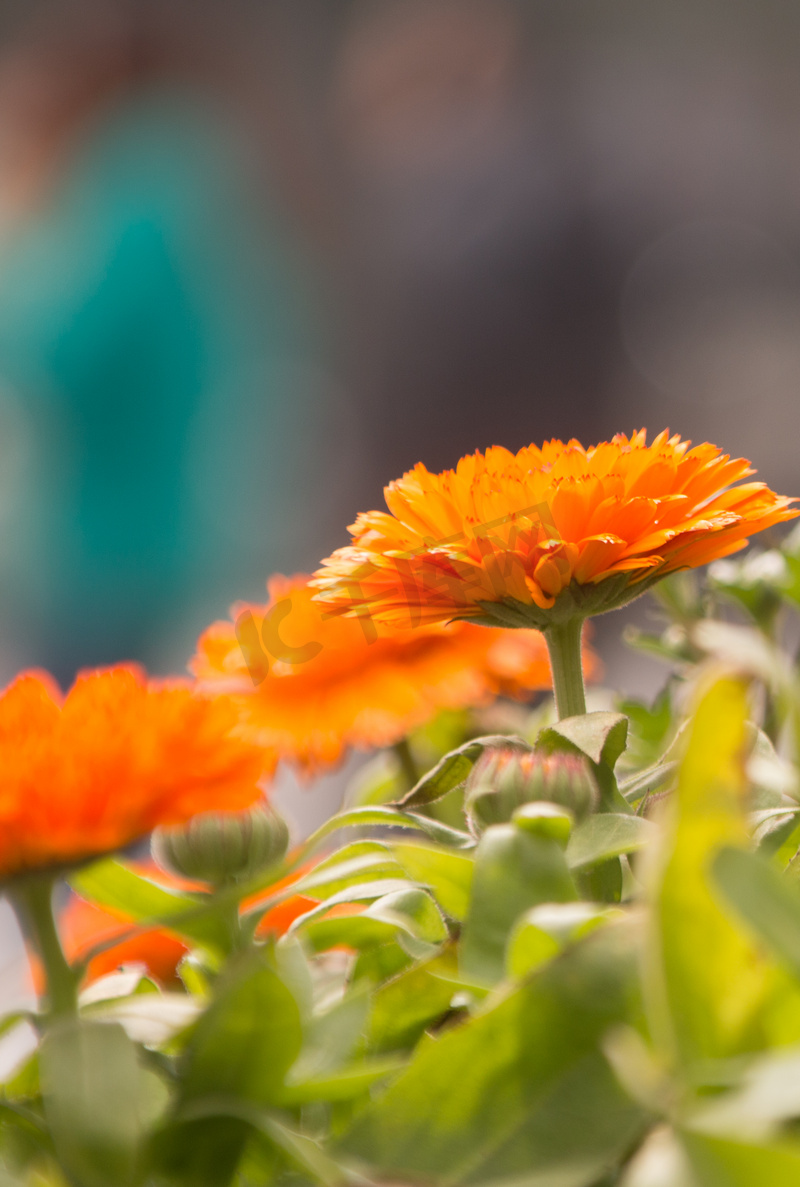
(91, 772)
(544, 535)
(309, 685)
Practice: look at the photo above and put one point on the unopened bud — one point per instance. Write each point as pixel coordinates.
(504, 780)
(222, 847)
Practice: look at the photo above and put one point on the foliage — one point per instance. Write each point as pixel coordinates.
(554, 1000)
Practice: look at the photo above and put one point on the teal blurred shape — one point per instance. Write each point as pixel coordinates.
(148, 310)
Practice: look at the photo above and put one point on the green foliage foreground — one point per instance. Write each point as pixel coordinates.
(554, 999)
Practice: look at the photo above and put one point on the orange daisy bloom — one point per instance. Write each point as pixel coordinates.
(309, 685)
(546, 535)
(91, 772)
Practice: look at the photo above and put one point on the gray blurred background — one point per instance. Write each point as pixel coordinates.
(256, 259)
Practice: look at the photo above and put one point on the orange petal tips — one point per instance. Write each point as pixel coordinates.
(89, 773)
(546, 535)
(310, 685)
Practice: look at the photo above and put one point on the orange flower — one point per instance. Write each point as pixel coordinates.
(545, 535)
(116, 757)
(310, 685)
(84, 925)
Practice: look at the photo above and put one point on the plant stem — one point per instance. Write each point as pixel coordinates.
(33, 897)
(564, 649)
(405, 758)
(240, 937)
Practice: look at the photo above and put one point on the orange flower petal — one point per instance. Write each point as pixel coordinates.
(119, 756)
(670, 505)
(366, 687)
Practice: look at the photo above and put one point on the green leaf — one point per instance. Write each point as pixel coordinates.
(294, 970)
(110, 883)
(404, 913)
(360, 893)
(9, 1021)
(305, 1154)
(650, 727)
(544, 931)
(709, 979)
(113, 884)
(405, 1006)
(443, 834)
(241, 1050)
(453, 770)
(637, 786)
(247, 1039)
(448, 874)
(519, 1091)
(360, 932)
(220, 1114)
(765, 899)
(777, 835)
(22, 1082)
(601, 737)
(345, 1084)
(386, 817)
(354, 864)
(332, 1036)
(378, 964)
(723, 1162)
(773, 779)
(601, 883)
(99, 1102)
(414, 911)
(606, 835)
(514, 870)
(366, 847)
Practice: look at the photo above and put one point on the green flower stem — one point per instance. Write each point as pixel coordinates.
(33, 897)
(564, 648)
(238, 935)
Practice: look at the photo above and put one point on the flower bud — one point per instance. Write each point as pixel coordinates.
(222, 847)
(504, 779)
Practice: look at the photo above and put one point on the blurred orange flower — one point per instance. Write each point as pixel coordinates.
(546, 534)
(310, 685)
(83, 925)
(117, 756)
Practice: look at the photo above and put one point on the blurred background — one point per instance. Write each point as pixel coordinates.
(256, 259)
